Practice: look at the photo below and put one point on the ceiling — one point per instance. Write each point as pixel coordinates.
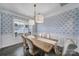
(27, 9)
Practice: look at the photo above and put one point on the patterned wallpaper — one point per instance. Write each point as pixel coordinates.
(0, 30)
(76, 22)
(6, 24)
(63, 25)
(0, 26)
(7, 29)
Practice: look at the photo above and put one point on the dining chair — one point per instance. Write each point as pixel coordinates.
(32, 49)
(69, 47)
(57, 50)
(25, 45)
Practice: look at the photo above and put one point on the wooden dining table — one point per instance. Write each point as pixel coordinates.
(43, 43)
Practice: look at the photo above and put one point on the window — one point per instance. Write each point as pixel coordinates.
(20, 27)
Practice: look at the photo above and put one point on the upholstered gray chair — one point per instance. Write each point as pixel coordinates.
(32, 49)
(25, 45)
(69, 47)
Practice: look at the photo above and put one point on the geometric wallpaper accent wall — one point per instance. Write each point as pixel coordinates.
(7, 29)
(0, 31)
(76, 22)
(65, 24)
(6, 24)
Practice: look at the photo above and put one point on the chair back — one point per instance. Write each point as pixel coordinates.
(29, 42)
(66, 45)
(31, 46)
(24, 41)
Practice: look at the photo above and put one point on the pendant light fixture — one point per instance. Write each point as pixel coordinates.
(38, 17)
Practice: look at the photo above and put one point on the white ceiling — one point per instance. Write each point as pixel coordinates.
(28, 9)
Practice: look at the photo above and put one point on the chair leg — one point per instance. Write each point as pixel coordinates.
(25, 50)
(46, 54)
